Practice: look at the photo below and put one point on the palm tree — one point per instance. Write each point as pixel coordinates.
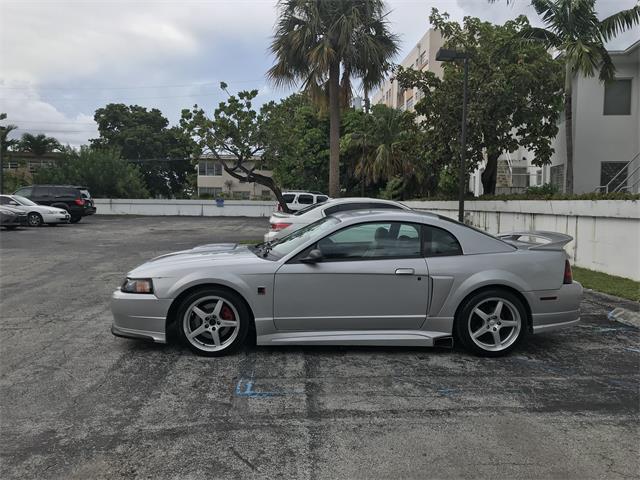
(38, 144)
(573, 29)
(317, 40)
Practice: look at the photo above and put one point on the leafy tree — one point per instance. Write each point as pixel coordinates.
(5, 130)
(573, 28)
(144, 136)
(514, 101)
(38, 144)
(236, 130)
(316, 40)
(103, 171)
(296, 143)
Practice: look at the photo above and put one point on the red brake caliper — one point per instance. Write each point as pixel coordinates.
(226, 313)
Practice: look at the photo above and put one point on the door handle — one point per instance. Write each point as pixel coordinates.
(405, 271)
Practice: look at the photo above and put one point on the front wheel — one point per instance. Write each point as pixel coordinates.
(491, 323)
(212, 322)
(34, 219)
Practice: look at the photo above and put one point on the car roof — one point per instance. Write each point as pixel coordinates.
(335, 201)
(392, 215)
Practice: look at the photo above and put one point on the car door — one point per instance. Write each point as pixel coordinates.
(43, 195)
(372, 277)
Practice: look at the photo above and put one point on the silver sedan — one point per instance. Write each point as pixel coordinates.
(358, 278)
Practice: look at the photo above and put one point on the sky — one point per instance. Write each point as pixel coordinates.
(60, 60)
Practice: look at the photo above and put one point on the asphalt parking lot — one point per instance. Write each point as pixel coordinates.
(77, 402)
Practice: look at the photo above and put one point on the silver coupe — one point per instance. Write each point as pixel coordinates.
(386, 277)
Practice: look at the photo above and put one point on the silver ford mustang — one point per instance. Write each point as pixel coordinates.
(385, 277)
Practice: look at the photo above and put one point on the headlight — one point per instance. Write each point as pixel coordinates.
(137, 285)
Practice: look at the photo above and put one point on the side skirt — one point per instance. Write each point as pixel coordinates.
(408, 338)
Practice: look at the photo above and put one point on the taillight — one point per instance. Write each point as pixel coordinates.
(279, 226)
(79, 201)
(568, 276)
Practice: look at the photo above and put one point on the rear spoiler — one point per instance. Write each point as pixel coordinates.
(552, 240)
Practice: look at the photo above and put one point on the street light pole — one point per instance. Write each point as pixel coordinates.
(463, 141)
(448, 55)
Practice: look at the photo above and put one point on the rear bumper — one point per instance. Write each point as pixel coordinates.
(90, 211)
(554, 309)
(139, 316)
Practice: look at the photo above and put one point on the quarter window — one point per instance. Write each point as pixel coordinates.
(371, 241)
(439, 243)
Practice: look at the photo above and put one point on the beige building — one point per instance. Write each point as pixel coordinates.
(214, 181)
(421, 57)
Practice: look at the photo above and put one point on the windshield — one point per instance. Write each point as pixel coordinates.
(306, 209)
(23, 201)
(288, 244)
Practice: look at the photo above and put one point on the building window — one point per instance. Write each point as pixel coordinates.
(539, 177)
(266, 194)
(612, 174)
(210, 168)
(410, 104)
(422, 59)
(213, 191)
(241, 195)
(617, 97)
(557, 176)
(519, 177)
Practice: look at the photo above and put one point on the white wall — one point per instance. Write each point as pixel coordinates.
(194, 208)
(606, 232)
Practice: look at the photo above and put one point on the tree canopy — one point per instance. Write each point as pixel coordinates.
(515, 94)
(162, 153)
(103, 171)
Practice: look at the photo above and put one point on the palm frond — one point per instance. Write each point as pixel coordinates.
(619, 22)
(542, 35)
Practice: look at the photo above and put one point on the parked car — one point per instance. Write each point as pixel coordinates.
(11, 218)
(36, 214)
(282, 224)
(386, 277)
(66, 197)
(89, 206)
(299, 200)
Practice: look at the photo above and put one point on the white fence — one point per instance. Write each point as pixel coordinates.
(606, 232)
(192, 208)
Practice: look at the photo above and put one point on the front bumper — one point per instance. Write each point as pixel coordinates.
(554, 309)
(139, 316)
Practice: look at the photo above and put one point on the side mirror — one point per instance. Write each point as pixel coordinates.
(314, 256)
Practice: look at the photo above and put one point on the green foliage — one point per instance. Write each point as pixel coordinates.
(235, 136)
(12, 180)
(37, 144)
(5, 130)
(162, 153)
(605, 283)
(394, 189)
(103, 171)
(515, 95)
(296, 143)
(542, 190)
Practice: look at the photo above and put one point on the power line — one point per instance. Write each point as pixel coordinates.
(133, 87)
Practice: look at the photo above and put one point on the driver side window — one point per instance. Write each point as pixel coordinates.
(371, 241)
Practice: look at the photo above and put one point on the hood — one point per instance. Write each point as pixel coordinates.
(203, 256)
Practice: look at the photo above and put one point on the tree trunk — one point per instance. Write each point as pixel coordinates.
(568, 128)
(490, 174)
(260, 180)
(334, 130)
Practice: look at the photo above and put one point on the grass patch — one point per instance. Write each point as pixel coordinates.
(605, 283)
(249, 242)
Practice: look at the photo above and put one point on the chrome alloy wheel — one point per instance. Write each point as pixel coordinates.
(494, 324)
(211, 323)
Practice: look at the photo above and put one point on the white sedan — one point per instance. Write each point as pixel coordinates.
(282, 224)
(36, 214)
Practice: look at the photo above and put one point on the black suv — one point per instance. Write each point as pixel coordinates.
(62, 196)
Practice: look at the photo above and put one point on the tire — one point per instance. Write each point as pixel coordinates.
(34, 219)
(487, 329)
(214, 320)
(75, 219)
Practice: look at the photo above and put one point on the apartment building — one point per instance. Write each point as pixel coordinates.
(215, 181)
(606, 137)
(421, 57)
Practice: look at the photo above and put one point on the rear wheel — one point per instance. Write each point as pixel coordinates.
(75, 219)
(34, 219)
(212, 321)
(491, 323)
